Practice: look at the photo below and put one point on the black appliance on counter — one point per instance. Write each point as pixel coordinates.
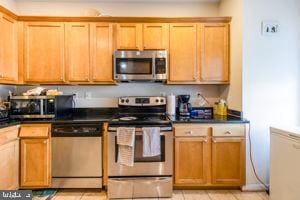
(41, 107)
(184, 107)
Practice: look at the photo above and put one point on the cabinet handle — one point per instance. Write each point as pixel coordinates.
(189, 132)
(228, 133)
(296, 146)
(215, 141)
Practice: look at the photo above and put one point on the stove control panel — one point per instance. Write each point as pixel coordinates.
(142, 101)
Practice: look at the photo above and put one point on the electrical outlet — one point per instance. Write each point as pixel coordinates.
(88, 95)
(270, 28)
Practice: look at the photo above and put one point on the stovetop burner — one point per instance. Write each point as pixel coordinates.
(132, 119)
(127, 118)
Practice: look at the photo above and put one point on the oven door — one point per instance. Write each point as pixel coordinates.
(134, 65)
(161, 165)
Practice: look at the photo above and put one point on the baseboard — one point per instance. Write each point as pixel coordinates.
(254, 187)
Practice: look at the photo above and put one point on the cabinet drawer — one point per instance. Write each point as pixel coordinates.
(229, 130)
(8, 134)
(191, 130)
(35, 131)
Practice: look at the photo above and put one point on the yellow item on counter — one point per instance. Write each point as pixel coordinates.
(220, 108)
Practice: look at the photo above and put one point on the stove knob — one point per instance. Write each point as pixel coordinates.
(127, 100)
(162, 101)
(157, 100)
(122, 100)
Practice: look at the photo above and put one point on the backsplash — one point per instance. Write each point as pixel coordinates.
(106, 96)
(4, 89)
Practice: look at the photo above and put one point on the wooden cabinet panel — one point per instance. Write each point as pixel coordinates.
(9, 156)
(44, 52)
(228, 161)
(191, 161)
(35, 163)
(183, 52)
(129, 36)
(8, 49)
(194, 130)
(102, 44)
(232, 130)
(78, 52)
(215, 52)
(156, 36)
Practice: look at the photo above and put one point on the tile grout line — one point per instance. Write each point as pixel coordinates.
(208, 195)
(234, 195)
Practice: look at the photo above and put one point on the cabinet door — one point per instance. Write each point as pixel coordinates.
(228, 161)
(44, 52)
(78, 52)
(102, 44)
(215, 53)
(129, 36)
(192, 161)
(183, 52)
(8, 50)
(9, 165)
(35, 163)
(156, 36)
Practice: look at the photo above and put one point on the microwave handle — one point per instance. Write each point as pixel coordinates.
(42, 106)
(153, 67)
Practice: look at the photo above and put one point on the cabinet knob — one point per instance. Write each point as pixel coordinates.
(228, 133)
(190, 132)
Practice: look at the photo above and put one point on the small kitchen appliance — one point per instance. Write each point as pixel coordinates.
(149, 177)
(41, 107)
(184, 107)
(151, 65)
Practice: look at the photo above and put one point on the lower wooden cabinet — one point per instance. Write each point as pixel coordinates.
(9, 156)
(228, 161)
(35, 156)
(191, 156)
(210, 155)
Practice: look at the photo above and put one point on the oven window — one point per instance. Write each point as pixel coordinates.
(134, 66)
(138, 150)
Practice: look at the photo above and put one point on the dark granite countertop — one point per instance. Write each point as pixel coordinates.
(9, 123)
(215, 120)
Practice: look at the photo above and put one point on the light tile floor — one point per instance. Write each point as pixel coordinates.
(177, 195)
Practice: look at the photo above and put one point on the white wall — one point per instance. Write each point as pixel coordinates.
(9, 4)
(270, 72)
(117, 9)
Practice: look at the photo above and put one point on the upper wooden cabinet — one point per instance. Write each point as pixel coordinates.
(44, 52)
(156, 36)
(78, 47)
(183, 53)
(102, 52)
(8, 49)
(214, 52)
(132, 36)
(129, 36)
(35, 156)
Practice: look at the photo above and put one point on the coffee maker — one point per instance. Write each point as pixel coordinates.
(184, 107)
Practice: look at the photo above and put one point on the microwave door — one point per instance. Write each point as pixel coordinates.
(134, 68)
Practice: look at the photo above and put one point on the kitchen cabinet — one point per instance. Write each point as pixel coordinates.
(155, 36)
(214, 52)
(192, 155)
(137, 36)
(8, 49)
(35, 155)
(129, 36)
(44, 52)
(209, 155)
(102, 52)
(228, 155)
(183, 53)
(78, 47)
(9, 156)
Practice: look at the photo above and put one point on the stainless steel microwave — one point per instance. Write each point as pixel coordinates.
(141, 65)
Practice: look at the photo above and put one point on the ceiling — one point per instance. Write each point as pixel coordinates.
(107, 1)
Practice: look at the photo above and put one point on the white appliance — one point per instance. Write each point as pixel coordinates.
(285, 164)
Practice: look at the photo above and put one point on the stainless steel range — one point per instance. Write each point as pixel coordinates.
(149, 176)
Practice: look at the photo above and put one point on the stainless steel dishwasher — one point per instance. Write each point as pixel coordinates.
(77, 155)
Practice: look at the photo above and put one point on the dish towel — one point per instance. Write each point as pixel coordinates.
(151, 141)
(125, 141)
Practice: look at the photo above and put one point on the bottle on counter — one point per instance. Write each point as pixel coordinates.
(220, 108)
